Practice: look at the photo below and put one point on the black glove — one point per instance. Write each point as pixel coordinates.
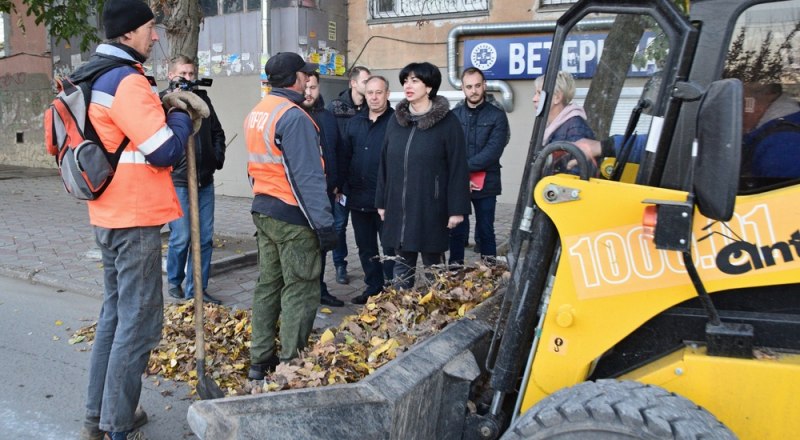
(327, 238)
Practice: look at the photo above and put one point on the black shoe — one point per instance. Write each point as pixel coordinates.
(361, 299)
(207, 299)
(175, 291)
(258, 371)
(341, 275)
(327, 299)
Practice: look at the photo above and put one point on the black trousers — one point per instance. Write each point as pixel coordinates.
(367, 229)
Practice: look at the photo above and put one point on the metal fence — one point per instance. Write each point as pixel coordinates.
(379, 9)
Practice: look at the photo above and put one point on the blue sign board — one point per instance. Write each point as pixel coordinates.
(526, 57)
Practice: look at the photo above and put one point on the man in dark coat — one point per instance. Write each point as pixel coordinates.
(423, 183)
(329, 138)
(349, 103)
(209, 147)
(486, 133)
(362, 142)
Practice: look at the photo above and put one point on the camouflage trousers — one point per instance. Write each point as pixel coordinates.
(287, 288)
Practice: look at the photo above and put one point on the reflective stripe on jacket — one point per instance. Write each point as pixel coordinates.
(124, 103)
(264, 155)
(285, 161)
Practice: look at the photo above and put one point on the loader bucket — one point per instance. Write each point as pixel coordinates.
(421, 394)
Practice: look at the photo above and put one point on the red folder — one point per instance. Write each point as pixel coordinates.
(476, 180)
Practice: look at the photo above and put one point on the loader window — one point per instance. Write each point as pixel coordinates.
(617, 66)
(630, 56)
(763, 55)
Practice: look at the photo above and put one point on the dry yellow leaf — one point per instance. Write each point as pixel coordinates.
(426, 299)
(368, 319)
(325, 310)
(327, 336)
(390, 344)
(376, 341)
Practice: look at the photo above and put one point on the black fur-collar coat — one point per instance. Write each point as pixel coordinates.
(423, 178)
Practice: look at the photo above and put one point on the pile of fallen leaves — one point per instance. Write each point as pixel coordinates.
(389, 324)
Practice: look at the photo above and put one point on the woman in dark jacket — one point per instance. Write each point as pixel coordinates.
(423, 179)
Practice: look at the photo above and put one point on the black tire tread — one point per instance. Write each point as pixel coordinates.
(626, 408)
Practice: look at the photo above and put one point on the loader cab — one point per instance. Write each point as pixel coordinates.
(615, 302)
(616, 49)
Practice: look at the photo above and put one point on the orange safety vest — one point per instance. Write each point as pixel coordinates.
(141, 194)
(265, 160)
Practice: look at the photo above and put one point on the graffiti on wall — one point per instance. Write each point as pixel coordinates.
(12, 80)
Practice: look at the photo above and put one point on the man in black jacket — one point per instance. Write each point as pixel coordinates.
(486, 134)
(330, 140)
(349, 103)
(209, 144)
(363, 142)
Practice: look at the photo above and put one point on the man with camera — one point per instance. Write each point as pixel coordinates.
(209, 144)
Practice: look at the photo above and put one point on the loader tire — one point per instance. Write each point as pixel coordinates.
(610, 409)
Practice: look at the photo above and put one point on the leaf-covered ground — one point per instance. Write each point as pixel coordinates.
(386, 326)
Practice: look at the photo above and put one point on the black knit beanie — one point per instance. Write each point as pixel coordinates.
(123, 16)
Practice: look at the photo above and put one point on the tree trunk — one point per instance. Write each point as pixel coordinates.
(182, 23)
(619, 48)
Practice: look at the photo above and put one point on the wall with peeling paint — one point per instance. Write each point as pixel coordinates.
(23, 98)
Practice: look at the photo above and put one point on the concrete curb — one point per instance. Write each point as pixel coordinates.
(41, 276)
(45, 279)
(226, 264)
(421, 394)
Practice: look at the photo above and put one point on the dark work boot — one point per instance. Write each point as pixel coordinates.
(175, 291)
(326, 299)
(341, 275)
(91, 430)
(258, 371)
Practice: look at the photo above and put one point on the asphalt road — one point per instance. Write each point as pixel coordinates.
(43, 379)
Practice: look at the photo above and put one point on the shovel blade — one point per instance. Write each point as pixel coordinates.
(207, 388)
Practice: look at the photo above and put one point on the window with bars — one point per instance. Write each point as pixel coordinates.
(211, 8)
(382, 9)
(557, 2)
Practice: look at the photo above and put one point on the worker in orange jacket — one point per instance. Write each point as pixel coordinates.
(291, 212)
(129, 215)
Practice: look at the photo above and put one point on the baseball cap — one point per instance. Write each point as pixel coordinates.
(282, 66)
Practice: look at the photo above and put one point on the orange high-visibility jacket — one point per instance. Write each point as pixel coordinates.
(292, 176)
(124, 103)
(265, 158)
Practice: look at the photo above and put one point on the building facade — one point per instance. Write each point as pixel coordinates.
(25, 89)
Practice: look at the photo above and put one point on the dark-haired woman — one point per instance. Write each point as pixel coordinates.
(423, 179)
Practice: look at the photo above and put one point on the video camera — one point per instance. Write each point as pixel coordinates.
(182, 83)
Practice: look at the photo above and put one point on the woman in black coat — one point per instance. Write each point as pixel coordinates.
(423, 179)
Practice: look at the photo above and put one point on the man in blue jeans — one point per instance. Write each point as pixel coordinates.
(128, 217)
(486, 133)
(209, 144)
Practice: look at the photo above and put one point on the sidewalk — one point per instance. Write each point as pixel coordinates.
(45, 237)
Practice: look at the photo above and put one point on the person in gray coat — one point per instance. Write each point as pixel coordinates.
(423, 180)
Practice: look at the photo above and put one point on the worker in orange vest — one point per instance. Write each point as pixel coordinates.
(291, 212)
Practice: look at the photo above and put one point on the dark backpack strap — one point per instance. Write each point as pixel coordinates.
(113, 159)
(101, 66)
